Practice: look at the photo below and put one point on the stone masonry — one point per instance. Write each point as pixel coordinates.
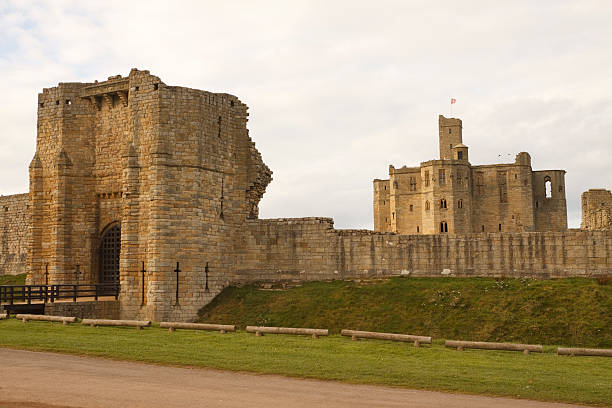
(131, 174)
(14, 233)
(452, 196)
(597, 210)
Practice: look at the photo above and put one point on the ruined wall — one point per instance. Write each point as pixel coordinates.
(14, 233)
(311, 249)
(596, 210)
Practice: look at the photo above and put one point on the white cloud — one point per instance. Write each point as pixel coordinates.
(338, 90)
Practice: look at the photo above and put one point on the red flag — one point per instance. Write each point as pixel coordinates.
(453, 100)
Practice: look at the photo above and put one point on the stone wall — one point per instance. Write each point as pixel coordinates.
(311, 249)
(103, 309)
(14, 233)
(597, 210)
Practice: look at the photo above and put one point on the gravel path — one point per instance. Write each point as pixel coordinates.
(48, 380)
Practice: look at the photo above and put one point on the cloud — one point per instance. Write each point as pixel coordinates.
(338, 90)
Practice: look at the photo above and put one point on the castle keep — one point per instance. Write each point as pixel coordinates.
(450, 195)
(156, 188)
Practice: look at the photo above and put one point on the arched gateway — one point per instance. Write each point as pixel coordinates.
(110, 250)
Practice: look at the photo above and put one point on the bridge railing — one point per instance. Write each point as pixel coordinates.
(11, 294)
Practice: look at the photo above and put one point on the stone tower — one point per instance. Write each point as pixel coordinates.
(132, 173)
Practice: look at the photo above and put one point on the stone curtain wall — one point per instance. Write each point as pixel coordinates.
(14, 233)
(311, 249)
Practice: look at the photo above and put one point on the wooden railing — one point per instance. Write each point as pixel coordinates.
(11, 294)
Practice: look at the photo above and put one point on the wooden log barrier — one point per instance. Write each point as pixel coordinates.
(260, 331)
(223, 328)
(485, 345)
(65, 320)
(357, 334)
(130, 323)
(584, 352)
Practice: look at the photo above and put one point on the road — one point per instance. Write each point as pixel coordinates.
(48, 380)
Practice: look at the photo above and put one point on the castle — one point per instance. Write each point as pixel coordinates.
(452, 196)
(156, 188)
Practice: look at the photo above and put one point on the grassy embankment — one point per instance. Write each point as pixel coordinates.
(13, 279)
(537, 376)
(569, 312)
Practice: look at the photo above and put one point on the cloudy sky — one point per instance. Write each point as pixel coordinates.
(338, 90)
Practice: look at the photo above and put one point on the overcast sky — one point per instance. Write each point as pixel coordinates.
(338, 90)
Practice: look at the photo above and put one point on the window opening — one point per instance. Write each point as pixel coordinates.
(480, 183)
(482, 226)
(442, 176)
(427, 179)
(501, 182)
(155, 87)
(395, 185)
(460, 204)
(450, 131)
(411, 207)
(460, 155)
(219, 123)
(413, 184)
(426, 205)
(548, 187)
(417, 228)
(443, 226)
(443, 203)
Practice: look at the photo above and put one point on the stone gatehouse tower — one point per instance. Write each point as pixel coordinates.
(450, 195)
(130, 171)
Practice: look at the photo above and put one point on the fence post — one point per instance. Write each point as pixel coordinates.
(29, 295)
(96, 292)
(74, 293)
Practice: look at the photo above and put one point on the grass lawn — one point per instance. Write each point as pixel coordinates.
(536, 376)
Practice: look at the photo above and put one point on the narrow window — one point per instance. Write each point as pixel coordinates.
(395, 185)
(460, 155)
(450, 131)
(426, 205)
(68, 102)
(57, 102)
(482, 228)
(499, 227)
(451, 146)
(219, 123)
(459, 179)
(393, 214)
(442, 176)
(417, 228)
(155, 87)
(427, 179)
(443, 203)
(413, 184)
(548, 187)
(480, 183)
(443, 226)
(536, 204)
(460, 204)
(501, 182)
(411, 207)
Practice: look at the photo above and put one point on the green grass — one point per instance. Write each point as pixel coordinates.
(13, 279)
(536, 376)
(570, 312)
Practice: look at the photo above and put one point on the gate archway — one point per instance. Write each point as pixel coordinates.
(110, 252)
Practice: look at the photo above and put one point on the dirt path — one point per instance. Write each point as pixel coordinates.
(47, 380)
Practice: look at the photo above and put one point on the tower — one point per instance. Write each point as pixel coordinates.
(450, 135)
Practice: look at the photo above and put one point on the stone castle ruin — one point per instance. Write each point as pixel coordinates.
(450, 195)
(156, 188)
